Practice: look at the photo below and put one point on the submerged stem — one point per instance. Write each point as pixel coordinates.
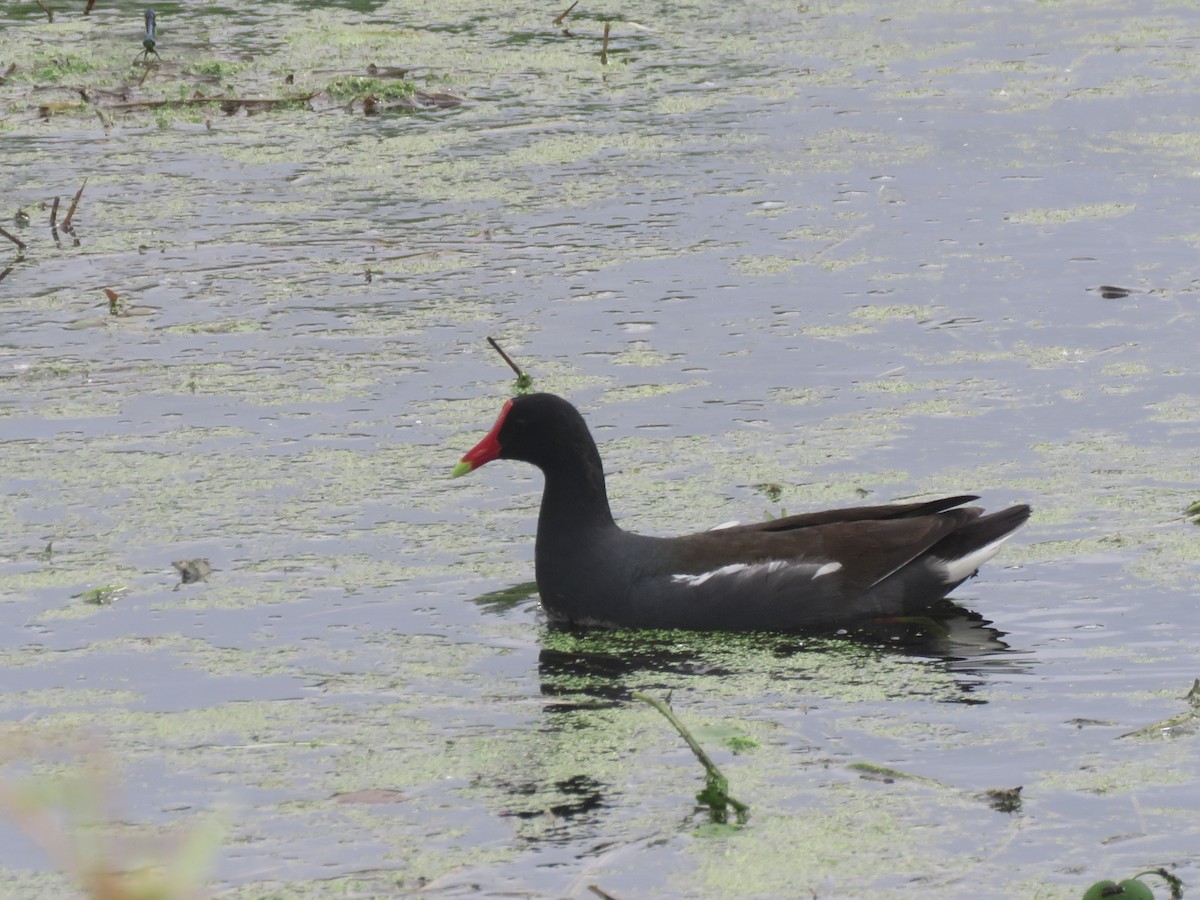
(716, 792)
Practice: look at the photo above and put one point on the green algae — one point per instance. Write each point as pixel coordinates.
(643, 355)
(833, 331)
(1179, 408)
(789, 852)
(1038, 357)
(845, 670)
(799, 396)
(766, 265)
(632, 392)
(881, 313)
(231, 326)
(1051, 216)
(63, 697)
(1096, 774)
(885, 773)
(360, 86)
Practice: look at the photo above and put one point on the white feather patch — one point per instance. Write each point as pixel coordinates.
(965, 566)
(697, 580)
(749, 570)
(731, 524)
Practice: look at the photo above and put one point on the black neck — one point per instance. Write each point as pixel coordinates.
(575, 498)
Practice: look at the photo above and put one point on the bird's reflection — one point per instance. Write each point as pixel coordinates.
(942, 656)
(598, 665)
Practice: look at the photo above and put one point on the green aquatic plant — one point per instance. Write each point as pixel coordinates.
(770, 490)
(353, 86)
(524, 380)
(739, 744)
(1184, 723)
(56, 68)
(506, 598)
(715, 795)
(1134, 888)
(214, 68)
(102, 596)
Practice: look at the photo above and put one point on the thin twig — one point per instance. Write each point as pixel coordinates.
(265, 103)
(4, 274)
(670, 716)
(558, 20)
(49, 12)
(54, 220)
(604, 46)
(87, 10)
(512, 365)
(71, 211)
(12, 237)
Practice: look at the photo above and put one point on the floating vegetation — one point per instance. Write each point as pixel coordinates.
(506, 598)
(192, 570)
(715, 796)
(561, 18)
(524, 380)
(885, 774)
(91, 86)
(1134, 888)
(102, 596)
(23, 219)
(379, 95)
(1184, 723)
(1004, 799)
(117, 308)
(362, 85)
(770, 490)
(614, 196)
(1061, 216)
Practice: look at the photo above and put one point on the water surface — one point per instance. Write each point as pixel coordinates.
(853, 251)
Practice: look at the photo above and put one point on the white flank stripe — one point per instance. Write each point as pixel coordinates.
(964, 566)
(740, 570)
(731, 524)
(697, 580)
(827, 569)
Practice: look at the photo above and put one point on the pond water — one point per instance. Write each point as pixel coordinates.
(848, 250)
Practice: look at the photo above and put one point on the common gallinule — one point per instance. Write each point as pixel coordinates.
(815, 570)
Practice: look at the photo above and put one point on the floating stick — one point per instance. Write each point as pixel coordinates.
(71, 212)
(12, 237)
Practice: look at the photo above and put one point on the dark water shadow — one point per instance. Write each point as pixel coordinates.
(504, 599)
(587, 677)
(598, 664)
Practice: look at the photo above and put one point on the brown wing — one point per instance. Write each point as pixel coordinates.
(869, 546)
(856, 514)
